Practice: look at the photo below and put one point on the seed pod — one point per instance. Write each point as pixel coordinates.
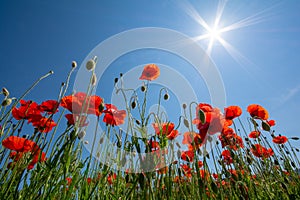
(90, 65)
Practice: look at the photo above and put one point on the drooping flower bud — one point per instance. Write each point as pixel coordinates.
(5, 91)
(6, 102)
(74, 64)
(143, 88)
(133, 104)
(166, 96)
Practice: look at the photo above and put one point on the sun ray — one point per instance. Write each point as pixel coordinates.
(192, 12)
(251, 20)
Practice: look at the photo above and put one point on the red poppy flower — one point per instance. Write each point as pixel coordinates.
(111, 178)
(227, 157)
(69, 180)
(200, 164)
(256, 110)
(214, 120)
(254, 134)
(280, 139)
(18, 144)
(79, 119)
(261, 152)
(166, 129)
(232, 112)
(232, 140)
(43, 124)
(187, 155)
(187, 171)
(271, 122)
(153, 145)
(205, 107)
(49, 106)
(190, 138)
(26, 110)
(81, 103)
(150, 72)
(37, 157)
(113, 116)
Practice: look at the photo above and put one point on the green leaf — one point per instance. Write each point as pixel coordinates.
(202, 116)
(265, 126)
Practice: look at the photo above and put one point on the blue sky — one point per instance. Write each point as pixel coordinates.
(38, 36)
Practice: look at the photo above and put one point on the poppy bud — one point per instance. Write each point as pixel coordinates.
(90, 65)
(51, 72)
(94, 79)
(186, 123)
(116, 80)
(133, 104)
(143, 88)
(138, 122)
(74, 64)
(178, 145)
(101, 140)
(86, 142)
(81, 134)
(166, 96)
(6, 102)
(121, 74)
(5, 92)
(184, 106)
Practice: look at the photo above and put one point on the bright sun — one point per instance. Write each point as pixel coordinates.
(213, 32)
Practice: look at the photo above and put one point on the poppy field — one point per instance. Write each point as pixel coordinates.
(223, 153)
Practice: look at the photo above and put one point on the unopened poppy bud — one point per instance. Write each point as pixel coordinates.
(137, 122)
(116, 80)
(184, 106)
(101, 140)
(166, 96)
(143, 88)
(90, 65)
(51, 72)
(74, 64)
(6, 102)
(5, 92)
(133, 104)
(86, 142)
(81, 134)
(121, 74)
(94, 79)
(186, 123)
